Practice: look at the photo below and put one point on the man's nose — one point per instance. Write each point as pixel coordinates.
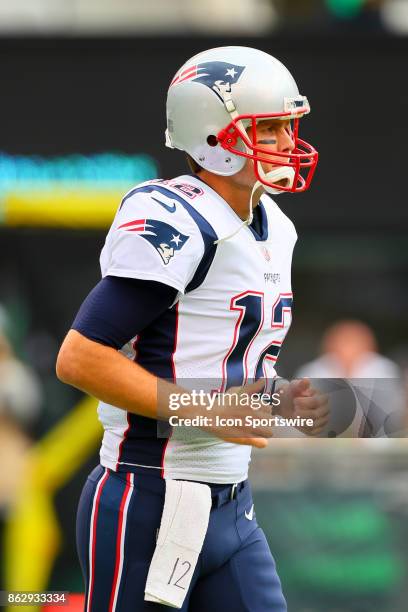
(285, 141)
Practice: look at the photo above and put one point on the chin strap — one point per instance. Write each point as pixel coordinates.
(250, 217)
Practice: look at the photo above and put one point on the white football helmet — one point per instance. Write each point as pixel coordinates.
(217, 94)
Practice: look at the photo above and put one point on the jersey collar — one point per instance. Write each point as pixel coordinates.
(260, 237)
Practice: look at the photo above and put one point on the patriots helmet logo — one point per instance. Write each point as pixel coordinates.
(218, 76)
(163, 237)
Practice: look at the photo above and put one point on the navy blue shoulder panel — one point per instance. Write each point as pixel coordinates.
(259, 225)
(207, 231)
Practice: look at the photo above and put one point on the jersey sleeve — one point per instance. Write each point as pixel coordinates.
(118, 309)
(153, 237)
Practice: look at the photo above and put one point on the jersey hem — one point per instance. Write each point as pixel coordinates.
(174, 474)
(206, 477)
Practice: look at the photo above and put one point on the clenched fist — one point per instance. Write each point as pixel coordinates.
(300, 399)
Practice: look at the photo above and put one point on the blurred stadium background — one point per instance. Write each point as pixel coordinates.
(82, 107)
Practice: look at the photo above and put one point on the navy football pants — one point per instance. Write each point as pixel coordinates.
(118, 519)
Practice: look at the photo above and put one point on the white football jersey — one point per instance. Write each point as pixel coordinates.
(232, 312)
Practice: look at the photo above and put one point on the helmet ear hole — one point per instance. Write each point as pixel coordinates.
(212, 140)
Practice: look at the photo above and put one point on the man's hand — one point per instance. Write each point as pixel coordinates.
(300, 399)
(242, 434)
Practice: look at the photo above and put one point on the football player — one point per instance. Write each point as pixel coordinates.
(195, 285)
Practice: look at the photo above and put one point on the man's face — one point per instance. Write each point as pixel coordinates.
(273, 135)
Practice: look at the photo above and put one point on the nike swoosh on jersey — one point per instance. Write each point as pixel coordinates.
(170, 208)
(250, 515)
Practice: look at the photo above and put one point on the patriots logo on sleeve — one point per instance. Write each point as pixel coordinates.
(218, 76)
(165, 238)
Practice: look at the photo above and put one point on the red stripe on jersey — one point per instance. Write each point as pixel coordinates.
(133, 223)
(164, 455)
(173, 367)
(175, 343)
(125, 433)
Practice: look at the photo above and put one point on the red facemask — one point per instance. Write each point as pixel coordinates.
(303, 159)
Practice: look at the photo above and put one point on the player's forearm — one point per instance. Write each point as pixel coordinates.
(106, 374)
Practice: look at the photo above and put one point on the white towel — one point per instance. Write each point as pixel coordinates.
(183, 526)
